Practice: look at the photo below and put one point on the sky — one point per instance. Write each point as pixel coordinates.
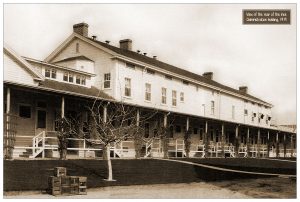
(195, 37)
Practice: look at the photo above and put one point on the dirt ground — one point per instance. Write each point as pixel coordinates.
(250, 188)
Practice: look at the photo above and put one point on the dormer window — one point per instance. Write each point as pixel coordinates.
(71, 78)
(50, 73)
(47, 73)
(66, 74)
(53, 74)
(78, 79)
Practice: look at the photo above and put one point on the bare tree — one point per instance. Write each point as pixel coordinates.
(112, 123)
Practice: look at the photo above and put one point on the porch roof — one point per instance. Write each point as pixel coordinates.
(65, 87)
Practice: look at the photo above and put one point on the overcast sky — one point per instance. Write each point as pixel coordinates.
(196, 37)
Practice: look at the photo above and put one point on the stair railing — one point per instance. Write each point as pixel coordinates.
(36, 149)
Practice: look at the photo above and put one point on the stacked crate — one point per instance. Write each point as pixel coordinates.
(61, 184)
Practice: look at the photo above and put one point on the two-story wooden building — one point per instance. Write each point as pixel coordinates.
(82, 68)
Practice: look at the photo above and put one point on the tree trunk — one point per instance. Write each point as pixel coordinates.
(109, 166)
(63, 154)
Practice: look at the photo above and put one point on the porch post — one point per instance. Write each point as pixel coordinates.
(236, 141)
(165, 120)
(277, 145)
(7, 154)
(137, 117)
(258, 143)
(284, 145)
(165, 141)
(206, 139)
(268, 145)
(292, 146)
(248, 142)
(222, 141)
(62, 107)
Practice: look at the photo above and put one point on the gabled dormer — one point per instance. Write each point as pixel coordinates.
(78, 62)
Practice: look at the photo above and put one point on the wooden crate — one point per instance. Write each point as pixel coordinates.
(65, 190)
(65, 181)
(74, 190)
(54, 181)
(60, 171)
(74, 181)
(82, 190)
(54, 192)
(82, 181)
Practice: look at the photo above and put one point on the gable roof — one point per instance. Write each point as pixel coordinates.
(154, 62)
(37, 75)
(171, 68)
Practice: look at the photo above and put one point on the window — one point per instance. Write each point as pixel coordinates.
(233, 112)
(25, 111)
(83, 80)
(78, 79)
(185, 82)
(195, 130)
(131, 66)
(178, 129)
(47, 73)
(53, 74)
(149, 71)
(253, 116)
(127, 87)
(41, 119)
(66, 76)
(212, 107)
(245, 112)
(77, 47)
(174, 98)
(182, 97)
(148, 92)
(70, 78)
(163, 95)
(107, 80)
(168, 77)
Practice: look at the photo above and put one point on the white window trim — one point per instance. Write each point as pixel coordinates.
(163, 96)
(107, 80)
(147, 92)
(127, 96)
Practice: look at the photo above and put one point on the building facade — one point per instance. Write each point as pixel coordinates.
(223, 121)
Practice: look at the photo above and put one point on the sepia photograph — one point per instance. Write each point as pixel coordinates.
(149, 101)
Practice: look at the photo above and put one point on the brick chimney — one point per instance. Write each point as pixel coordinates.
(243, 89)
(208, 75)
(126, 44)
(81, 28)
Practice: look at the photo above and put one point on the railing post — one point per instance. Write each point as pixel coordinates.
(236, 141)
(258, 143)
(222, 141)
(43, 145)
(84, 146)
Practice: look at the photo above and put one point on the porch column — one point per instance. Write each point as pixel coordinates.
(258, 143)
(187, 123)
(137, 117)
(62, 107)
(268, 145)
(206, 139)
(248, 142)
(284, 145)
(292, 146)
(277, 145)
(236, 141)
(222, 141)
(7, 150)
(165, 141)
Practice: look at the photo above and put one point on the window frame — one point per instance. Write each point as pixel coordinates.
(148, 92)
(48, 72)
(164, 95)
(181, 96)
(212, 107)
(127, 89)
(24, 105)
(107, 80)
(174, 98)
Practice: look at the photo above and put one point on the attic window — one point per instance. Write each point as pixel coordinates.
(77, 47)
(129, 65)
